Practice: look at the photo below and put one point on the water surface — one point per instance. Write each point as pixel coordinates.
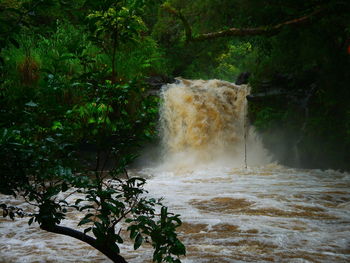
(260, 214)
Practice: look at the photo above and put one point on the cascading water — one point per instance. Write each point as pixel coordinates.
(207, 116)
(265, 213)
(205, 122)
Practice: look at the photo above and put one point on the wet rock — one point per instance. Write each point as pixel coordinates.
(242, 78)
(156, 83)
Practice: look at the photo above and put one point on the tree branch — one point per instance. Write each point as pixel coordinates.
(250, 31)
(115, 257)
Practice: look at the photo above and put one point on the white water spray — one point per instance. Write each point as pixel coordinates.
(205, 123)
(265, 213)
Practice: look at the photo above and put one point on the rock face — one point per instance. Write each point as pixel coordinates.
(158, 81)
(243, 78)
(291, 113)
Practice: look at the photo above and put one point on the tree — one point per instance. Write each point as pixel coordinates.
(120, 24)
(39, 164)
(268, 30)
(68, 129)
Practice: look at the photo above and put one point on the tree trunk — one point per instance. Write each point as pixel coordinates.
(112, 255)
(115, 41)
(239, 32)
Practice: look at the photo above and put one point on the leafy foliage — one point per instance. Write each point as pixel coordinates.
(69, 126)
(41, 165)
(74, 104)
(307, 58)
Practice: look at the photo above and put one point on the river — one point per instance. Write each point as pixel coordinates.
(259, 214)
(237, 205)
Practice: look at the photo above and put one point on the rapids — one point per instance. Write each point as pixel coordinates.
(262, 213)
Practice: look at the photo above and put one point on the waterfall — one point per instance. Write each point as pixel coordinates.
(204, 122)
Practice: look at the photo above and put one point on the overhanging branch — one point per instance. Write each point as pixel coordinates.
(115, 257)
(253, 31)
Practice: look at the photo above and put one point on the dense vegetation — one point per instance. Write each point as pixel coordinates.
(299, 48)
(75, 103)
(74, 108)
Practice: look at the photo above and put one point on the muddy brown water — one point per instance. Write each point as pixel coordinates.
(262, 214)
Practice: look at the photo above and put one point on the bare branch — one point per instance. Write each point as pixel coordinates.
(113, 255)
(250, 31)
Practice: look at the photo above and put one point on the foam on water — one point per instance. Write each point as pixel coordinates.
(261, 214)
(205, 123)
(265, 213)
(269, 213)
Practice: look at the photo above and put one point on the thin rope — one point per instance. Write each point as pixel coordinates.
(245, 134)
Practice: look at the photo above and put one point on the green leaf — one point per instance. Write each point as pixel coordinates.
(86, 219)
(56, 125)
(30, 221)
(87, 207)
(133, 231)
(78, 201)
(87, 230)
(64, 187)
(138, 241)
(12, 215)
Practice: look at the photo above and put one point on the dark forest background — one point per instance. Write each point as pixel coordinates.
(78, 85)
(55, 53)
